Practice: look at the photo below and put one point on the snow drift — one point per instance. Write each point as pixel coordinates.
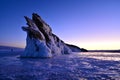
(41, 42)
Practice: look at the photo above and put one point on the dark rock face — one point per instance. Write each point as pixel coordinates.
(83, 50)
(41, 42)
(76, 48)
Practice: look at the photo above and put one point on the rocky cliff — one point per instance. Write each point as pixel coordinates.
(41, 42)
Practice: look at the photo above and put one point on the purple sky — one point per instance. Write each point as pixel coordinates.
(90, 24)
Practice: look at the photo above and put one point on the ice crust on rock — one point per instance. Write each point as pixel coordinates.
(40, 41)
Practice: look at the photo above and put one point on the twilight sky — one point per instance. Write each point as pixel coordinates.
(90, 24)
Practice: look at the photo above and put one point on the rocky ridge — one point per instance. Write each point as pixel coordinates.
(41, 42)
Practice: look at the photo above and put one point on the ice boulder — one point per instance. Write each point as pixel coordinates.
(40, 41)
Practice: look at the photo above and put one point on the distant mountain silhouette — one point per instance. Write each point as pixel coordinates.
(104, 50)
(8, 47)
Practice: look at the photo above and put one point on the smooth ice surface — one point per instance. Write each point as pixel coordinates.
(76, 66)
(102, 55)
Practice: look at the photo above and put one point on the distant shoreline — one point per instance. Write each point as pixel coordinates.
(8, 48)
(115, 51)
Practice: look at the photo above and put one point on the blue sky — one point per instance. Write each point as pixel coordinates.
(90, 24)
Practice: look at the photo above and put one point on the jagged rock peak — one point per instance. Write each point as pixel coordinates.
(41, 42)
(35, 16)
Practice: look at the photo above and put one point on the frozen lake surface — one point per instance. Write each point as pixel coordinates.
(77, 66)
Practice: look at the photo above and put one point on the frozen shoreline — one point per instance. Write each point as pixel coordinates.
(64, 67)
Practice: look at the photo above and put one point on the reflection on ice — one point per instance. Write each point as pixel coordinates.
(102, 55)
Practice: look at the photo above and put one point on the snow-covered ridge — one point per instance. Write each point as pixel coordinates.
(41, 42)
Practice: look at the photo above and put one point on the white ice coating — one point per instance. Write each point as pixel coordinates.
(36, 48)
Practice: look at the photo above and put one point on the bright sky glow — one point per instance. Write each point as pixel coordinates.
(90, 24)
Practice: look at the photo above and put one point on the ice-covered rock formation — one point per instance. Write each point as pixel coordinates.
(41, 42)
